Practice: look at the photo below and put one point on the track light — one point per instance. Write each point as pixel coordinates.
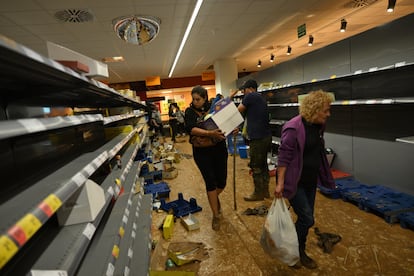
(259, 63)
(343, 25)
(391, 5)
(310, 43)
(272, 57)
(289, 51)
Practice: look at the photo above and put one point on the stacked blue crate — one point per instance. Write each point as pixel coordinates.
(340, 185)
(383, 201)
(239, 143)
(406, 220)
(388, 204)
(180, 207)
(158, 190)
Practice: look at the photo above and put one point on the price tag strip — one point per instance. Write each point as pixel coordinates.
(18, 234)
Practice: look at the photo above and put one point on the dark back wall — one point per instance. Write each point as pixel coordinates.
(363, 136)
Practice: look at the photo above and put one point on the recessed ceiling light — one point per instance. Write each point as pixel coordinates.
(113, 59)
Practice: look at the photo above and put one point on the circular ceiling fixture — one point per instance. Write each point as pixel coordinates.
(136, 29)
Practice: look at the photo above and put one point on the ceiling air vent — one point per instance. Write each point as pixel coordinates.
(74, 15)
(359, 3)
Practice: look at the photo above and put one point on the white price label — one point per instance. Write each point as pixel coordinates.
(89, 231)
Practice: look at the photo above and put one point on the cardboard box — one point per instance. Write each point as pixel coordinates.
(190, 223)
(171, 273)
(169, 173)
(168, 227)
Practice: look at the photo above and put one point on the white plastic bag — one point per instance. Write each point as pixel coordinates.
(279, 238)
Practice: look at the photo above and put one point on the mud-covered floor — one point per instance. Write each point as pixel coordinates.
(369, 245)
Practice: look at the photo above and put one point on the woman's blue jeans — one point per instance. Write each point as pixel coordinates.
(303, 204)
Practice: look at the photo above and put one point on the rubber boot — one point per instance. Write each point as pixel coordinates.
(258, 189)
(254, 197)
(266, 193)
(265, 181)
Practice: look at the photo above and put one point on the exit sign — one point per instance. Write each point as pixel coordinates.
(301, 30)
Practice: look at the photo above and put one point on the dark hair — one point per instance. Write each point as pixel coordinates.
(249, 84)
(202, 92)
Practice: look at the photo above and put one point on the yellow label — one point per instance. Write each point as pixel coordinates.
(118, 182)
(50, 205)
(54, 202)
(7, 250)
(29, 224)
(115, 251)
(121, 231)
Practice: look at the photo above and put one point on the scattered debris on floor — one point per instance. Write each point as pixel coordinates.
(326, 241)
(260, 211)
(187, 252)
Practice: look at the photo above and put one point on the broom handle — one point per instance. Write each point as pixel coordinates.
(234, 171)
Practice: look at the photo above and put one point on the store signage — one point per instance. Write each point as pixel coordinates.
(152, 81)
(301, 30)
(208, 75)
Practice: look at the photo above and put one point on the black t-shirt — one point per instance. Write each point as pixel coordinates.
(311, 154)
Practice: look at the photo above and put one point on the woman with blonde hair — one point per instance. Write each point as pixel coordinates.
(302, 164)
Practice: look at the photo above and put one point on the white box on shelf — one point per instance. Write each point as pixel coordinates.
(83, 206)
(96, 68)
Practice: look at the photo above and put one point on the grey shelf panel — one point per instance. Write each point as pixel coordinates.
(117, 118)
(105, 250)
(13, 128)
(357, 72)
(277, 122)
(275, 140)
(379, 101)
(25, 69)
(66, 251)
(136, 245)
(24, 214)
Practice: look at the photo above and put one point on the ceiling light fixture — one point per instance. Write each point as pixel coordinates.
(136, 29)
(310, 42)
(343, 25)
(259, 63)
(289, 51)
(187, 32)
(391, 5)
(113, 59)
(272, 57)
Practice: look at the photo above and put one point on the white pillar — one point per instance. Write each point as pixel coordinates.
(226, 75)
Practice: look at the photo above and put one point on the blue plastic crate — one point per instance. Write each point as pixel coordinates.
(341, 185)
(347, 183)
(239, 143)
(332, 193)
(388, 204)
(357, 193)
(407, 220)
(158, 190)
(154, 175)
(181, 207)
(243, 151)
